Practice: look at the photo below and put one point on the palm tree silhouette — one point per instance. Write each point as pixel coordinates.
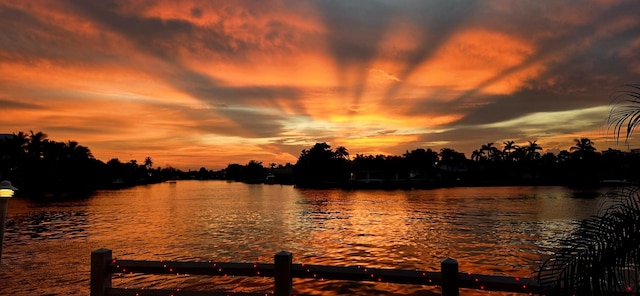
(148, 163)
(532, 150)
(477, 155)
(509, 147)
(583, 148)
(76, 151)
(493, 153)
(342, 152)
(35, 145)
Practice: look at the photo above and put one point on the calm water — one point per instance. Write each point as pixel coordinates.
(493, 230)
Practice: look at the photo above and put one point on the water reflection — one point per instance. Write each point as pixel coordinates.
(46, 226)
(506, 230)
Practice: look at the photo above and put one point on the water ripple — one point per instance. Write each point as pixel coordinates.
(502, 231)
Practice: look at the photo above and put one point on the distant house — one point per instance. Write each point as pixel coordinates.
(457, 168)
(616, 152)
(368, 176)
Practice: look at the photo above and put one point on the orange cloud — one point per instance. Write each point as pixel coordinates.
(473, 56)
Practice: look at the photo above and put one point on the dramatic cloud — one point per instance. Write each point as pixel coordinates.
(208, 83)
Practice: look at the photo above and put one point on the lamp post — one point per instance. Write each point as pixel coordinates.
(6, 192)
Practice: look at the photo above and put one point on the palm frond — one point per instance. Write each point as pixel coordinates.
(624, 116)
(602, 257)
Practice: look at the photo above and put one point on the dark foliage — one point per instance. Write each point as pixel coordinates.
(320, 166)
(624, 117)
(45, 168)
(602, 257)
(580, 166)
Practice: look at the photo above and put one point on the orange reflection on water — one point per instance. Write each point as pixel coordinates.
(494, 230)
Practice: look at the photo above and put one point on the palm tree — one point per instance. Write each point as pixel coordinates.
(509, 147)
(342, 152)
(519, 154)
(488, 149)
(35, 144)
(76, 151)
(477, 155)
(583, 145)
(148, 163)
(496, 154)
(532, 150)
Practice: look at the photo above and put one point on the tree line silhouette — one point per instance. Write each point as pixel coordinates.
(580, 166)
(43, 167)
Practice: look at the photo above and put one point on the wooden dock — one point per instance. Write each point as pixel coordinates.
(283, 271)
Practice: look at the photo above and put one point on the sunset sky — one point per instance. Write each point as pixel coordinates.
(208, 83)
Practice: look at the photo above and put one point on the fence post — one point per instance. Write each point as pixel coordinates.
(282, 274)
(449, 271)
(100, 276)
(3, 216)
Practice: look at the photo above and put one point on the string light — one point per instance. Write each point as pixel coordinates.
(308, 269)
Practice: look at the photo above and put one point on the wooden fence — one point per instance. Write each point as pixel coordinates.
(449, 279)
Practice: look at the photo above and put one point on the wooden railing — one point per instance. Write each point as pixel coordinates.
(449, 279)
